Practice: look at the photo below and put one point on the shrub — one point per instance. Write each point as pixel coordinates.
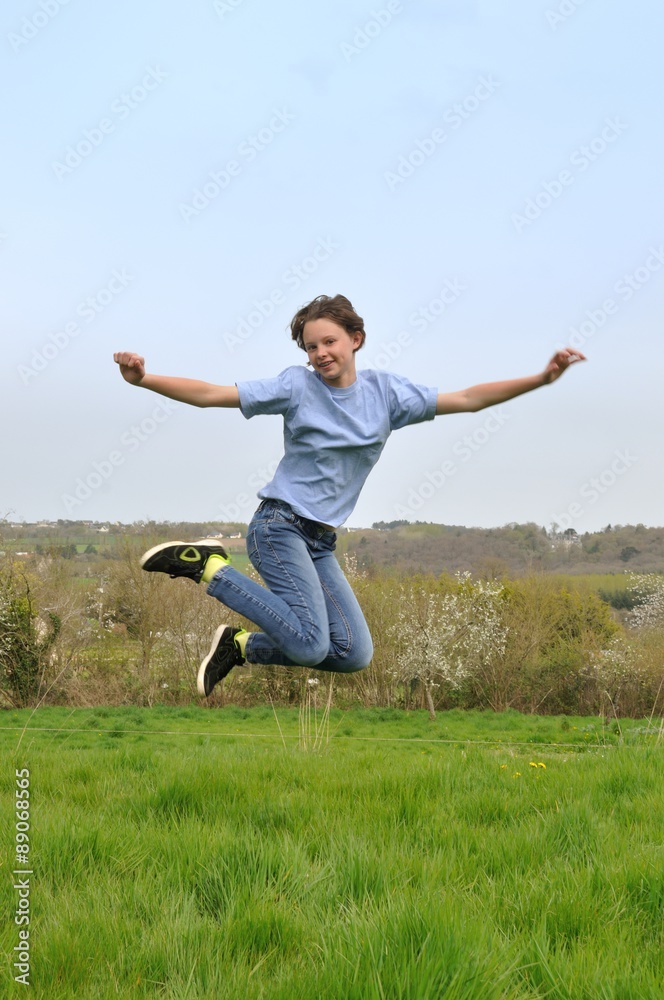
(25, 641)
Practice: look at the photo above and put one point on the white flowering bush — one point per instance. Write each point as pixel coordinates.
(615, 663)
(626, 678)
(649, 590)
(444, 637)
(613, 672)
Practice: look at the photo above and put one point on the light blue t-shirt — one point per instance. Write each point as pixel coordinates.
(332, 437)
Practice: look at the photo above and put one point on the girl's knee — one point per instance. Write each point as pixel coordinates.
(313, 654)
(358, 658)
(354, 668)
(348, 661)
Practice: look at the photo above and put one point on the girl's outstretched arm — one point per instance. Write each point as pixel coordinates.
(185, 390)
(477, 397)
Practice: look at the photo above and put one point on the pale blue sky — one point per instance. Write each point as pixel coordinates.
(159, 96)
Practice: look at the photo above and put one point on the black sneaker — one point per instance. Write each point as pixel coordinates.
(223, 656)
(182, 558)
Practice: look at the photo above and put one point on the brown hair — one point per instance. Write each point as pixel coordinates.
(335, 307)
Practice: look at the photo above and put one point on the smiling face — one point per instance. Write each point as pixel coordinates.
(331, 351)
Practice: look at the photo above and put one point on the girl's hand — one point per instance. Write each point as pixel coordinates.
(560, 362)
(132, 366)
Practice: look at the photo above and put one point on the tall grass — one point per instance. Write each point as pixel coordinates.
(173, 862)
(314, 724)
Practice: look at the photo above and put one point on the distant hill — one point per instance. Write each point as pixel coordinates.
(515, 549)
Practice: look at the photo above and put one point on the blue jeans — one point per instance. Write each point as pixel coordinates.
(309, 616)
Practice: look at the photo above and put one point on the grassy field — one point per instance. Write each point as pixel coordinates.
(191, 853)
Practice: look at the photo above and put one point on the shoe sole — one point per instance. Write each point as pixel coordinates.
(200, 680)
(167, 545)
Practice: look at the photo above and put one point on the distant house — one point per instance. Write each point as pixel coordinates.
(569, 539)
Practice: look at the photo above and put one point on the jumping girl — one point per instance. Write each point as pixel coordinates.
(336, 423)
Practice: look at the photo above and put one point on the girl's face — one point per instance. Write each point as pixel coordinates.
(331, 351)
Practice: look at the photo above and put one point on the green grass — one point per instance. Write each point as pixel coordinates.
(190, 853)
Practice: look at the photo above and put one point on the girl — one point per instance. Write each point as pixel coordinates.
(336, 423)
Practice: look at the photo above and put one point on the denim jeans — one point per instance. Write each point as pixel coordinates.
(309, 616)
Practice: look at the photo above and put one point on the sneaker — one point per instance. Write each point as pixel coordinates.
(223, 656)
(182, 558)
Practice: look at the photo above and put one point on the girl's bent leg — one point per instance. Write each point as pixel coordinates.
(292, 613)
(293, 640)
(349, 645)
(310, 615)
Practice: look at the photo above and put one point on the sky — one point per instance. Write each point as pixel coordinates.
(482, 178)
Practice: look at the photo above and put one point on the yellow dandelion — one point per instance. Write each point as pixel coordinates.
(533, 764)
(503, 767)
(540, 764)
(517, 774)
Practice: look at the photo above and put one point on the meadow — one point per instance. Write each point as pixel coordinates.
(197, 853)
